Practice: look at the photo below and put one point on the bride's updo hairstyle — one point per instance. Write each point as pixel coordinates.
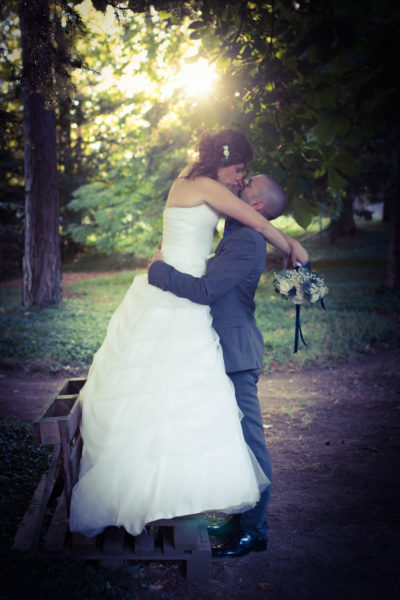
(222, 149)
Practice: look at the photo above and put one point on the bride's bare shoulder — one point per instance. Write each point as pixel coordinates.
(186, 192)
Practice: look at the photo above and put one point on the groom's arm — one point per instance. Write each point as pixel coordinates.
(224, 272)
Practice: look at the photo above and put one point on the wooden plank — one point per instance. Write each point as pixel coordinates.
(45, 428)
(47, 432)
(75, 458)
(27, 537)
(65, 443)
(185, 534)
(64, 409)
(144, 543)
(54, 540)
(62, 405)
(84, 546)
(64, 388)
(48, 411)
(113, 540)
(74, 418)
(27, 531)
(198, 563)
(75, 384)
(167, 539)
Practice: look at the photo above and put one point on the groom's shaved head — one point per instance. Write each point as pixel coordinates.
(265, 195)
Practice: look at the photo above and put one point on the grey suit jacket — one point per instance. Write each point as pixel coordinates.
(228, 286)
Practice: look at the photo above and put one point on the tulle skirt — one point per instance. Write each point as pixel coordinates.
(160, 423)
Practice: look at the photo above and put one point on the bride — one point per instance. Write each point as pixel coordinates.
(160, 424)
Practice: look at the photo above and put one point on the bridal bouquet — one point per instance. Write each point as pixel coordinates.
(301, 286)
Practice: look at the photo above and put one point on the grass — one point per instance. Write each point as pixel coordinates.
(22, 466)
(64, 337)
(359, 317)
(99, 262)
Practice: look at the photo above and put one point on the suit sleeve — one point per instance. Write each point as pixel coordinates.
(224, 272)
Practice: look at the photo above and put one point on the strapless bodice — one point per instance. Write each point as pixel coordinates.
(187, 237)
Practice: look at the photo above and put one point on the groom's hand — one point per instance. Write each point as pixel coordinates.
(157, 256)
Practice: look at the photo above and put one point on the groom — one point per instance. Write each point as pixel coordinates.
(229, 286)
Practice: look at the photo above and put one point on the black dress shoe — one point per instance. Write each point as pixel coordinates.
(240, 545)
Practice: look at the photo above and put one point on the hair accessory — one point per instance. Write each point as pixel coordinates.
(226, 151)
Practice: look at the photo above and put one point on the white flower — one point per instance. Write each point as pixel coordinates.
(314, 297)
(226, 151)
(285, 286)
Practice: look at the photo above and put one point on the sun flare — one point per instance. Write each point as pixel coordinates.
(197, 78)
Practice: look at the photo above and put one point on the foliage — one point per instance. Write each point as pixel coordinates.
(22, 464)
(137, 129)
(288, 225)
(358, 317)
(63, 578)
(11, 134)
(312, 82)
(303, 80)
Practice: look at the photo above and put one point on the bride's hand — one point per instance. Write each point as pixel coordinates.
(298, 254)
(157, 256)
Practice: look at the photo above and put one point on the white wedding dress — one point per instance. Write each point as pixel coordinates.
(160, 423)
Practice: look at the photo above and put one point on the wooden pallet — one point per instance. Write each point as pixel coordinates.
(44, 528)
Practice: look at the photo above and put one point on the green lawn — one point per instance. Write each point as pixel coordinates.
(359, 318)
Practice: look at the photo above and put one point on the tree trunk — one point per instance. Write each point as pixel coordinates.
(42, 257)
(345, 224)
(392, 274)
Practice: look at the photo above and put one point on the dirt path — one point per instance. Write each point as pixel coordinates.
(333, 436)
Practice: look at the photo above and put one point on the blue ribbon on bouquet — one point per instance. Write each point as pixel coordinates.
(298, 333)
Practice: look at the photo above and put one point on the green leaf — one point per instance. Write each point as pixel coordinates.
(322, 99)
(196, 35)
(331, 126)
(346, 164)
(319, 172)
(335, 180)
(270, 132)
(196, 25)
(302, 212)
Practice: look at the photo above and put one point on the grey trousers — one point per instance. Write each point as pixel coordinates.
(253, 521)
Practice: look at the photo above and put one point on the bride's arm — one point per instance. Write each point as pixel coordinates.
(220, 198)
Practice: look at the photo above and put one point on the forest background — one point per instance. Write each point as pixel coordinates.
(101, 105)
(115, 94)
